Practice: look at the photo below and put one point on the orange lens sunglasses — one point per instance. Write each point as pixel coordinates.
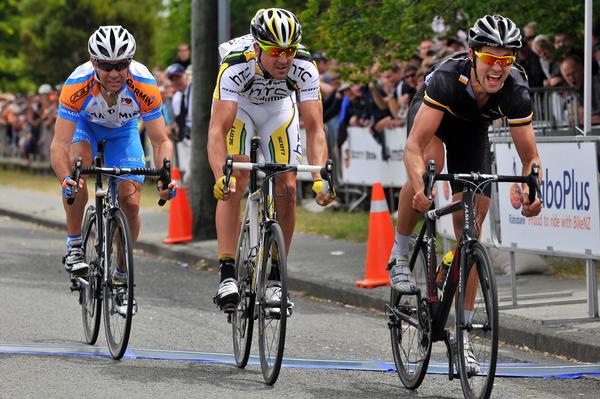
(491, 59)
(279, 51)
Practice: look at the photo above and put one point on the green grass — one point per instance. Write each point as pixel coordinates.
(335, 224)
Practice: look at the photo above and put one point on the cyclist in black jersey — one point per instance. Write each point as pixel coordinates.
(455, 106)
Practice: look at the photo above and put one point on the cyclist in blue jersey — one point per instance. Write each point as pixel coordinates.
(103, 100)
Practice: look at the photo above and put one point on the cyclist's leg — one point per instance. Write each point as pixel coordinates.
(83, 146)
(124, 149)
(407, 216)
(280, 140)
(227, 216)
(472, 153)
(228, 212)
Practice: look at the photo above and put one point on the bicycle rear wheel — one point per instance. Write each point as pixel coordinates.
(409, 320)
(118, 293)
(242, 319)
(477, 338)
(272, 319)
(90, 295)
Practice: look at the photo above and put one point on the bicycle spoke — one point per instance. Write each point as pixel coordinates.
(119, 304)
(411, 346)
(478, 337)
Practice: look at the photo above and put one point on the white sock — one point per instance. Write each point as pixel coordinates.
(400, 246)
(468, 315)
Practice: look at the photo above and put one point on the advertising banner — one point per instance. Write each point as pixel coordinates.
(570, 221)
(362, 158)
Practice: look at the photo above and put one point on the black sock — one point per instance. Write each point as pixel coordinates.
(274, 273)
(227, 266)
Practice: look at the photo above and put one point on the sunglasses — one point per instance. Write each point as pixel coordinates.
(274, 51)
(491, 59)
(108, 67)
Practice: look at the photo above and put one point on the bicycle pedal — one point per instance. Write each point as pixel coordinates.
(75, 286)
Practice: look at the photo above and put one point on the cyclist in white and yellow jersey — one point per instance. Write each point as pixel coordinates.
(264, 80)
(103, 100)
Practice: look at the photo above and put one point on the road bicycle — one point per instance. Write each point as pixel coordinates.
(418, 320)
(108, 248)
(261, 261)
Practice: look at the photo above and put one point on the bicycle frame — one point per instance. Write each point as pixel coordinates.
(440, 303)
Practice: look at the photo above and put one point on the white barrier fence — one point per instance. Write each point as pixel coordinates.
(569, 224)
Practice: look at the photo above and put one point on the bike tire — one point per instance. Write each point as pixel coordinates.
(242, 319)
(272, 328)
(482, 330)
(119, 249)
(411, 346)
(90, 296)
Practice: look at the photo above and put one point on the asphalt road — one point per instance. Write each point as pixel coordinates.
(176, 313)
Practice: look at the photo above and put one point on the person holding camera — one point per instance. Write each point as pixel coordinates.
(182, 109)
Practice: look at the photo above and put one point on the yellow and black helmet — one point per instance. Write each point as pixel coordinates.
(276, 27)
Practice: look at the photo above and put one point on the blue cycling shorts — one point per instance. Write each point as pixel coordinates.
(123, 147)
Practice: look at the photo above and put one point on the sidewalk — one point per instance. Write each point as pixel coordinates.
(327, 269)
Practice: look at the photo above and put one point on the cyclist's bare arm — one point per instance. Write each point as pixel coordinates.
(426, 123)
(524, 139)
(221, 119)
(159, 138)
(316, 143)
(59, 148)
(161, 147)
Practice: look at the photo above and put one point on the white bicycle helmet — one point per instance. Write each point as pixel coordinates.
(495, 31)
(276, 27)
(111, 43)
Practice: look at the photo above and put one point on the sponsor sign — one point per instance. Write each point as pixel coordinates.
(569, 221)
(362, 160)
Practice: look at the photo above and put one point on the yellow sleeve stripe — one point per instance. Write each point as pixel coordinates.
(217, 93)
(521, 120)
(433, 102)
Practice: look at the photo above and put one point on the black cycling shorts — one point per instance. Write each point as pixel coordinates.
(467, 144)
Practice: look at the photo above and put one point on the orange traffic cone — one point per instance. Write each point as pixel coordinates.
(380, 242)
(180, 214)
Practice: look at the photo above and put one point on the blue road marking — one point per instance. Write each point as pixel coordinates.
(531, 370)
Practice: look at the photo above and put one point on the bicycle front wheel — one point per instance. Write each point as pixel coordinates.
(242, 320)
(118, 290)
(273, 313)
(90, 295)
(409, 320)
(477, 324)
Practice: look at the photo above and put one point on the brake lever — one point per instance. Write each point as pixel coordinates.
(534, 182)
(429, 178)
(227, 169)
(327, 175)
(76, 176)
(165, 178)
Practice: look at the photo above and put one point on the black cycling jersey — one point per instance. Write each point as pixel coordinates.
(447, 88)
(464, 127)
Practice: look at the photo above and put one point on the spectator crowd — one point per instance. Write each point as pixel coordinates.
(551, 62)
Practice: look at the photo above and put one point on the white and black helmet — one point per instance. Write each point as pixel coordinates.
(276, 27)
(495, 31)
(111, 43)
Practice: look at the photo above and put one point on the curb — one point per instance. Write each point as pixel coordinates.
(513, 330)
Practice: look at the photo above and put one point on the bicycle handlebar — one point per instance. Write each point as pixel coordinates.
(326, 172)
(163, 174)
(532, 180)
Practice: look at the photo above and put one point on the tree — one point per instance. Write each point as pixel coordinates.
(54, 33)
(205, 63)
(360, 32)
